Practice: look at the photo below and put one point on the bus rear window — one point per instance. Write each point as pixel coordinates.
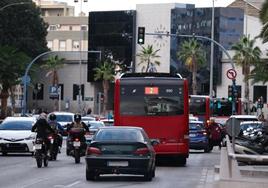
(197, 106)
(139, 100)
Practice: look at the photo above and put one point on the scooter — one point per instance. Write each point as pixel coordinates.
(40, 153)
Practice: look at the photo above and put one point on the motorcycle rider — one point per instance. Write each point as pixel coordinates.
(57, 128)
(77, 124)
(42, 128)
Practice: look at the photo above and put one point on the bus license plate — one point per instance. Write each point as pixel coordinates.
(117, 163)
(192, 135)
(38, 146)
(76, 144)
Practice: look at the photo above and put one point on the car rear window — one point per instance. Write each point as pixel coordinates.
(196, 126)
(119, 135)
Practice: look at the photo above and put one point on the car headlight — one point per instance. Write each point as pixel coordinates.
(31, 137)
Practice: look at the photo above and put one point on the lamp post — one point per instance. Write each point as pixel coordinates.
(211, 53)
(80, 60)
(13, 4)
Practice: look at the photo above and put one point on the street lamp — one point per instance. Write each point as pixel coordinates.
(80, 59)
(13, 4)
(211, 53)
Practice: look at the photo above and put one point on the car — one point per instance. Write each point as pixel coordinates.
(198, 136)
(120, 150)
(242, 118)
(93, 128)
(16, 135)
(86, 119)
(63, 118)
(108, 122)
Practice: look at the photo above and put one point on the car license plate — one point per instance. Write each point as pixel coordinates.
(38, 146)
(76, 144)
(192, 135)
(51, 141)
(117, 163)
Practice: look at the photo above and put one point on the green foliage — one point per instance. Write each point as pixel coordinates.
(53, 63)
(147, 56)
(13, 65)
(246, 54)
(104, 71)
(264, 20)
(259, 73)
(192, 50)
(23, 27)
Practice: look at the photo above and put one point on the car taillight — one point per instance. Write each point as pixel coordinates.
(77, 139)
(93, 151)
(142, 151)
(50, 137)
(202, 133)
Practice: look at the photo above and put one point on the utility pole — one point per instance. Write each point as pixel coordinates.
(211, 53)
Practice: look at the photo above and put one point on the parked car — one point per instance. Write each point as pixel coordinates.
(16, 135)
(63, 118)
(108, 122)
(93, 128)
(198, 136)
(120, 150)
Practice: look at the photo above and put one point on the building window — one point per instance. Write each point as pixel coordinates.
(38, 91)
(50, 45)
(260, 91)
(61, 86)
(62, 45)
(76, 92)
(83, 28)
(75, 45)
(52, 28)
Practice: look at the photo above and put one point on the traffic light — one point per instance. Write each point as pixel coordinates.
(141, 35)
(230, 92)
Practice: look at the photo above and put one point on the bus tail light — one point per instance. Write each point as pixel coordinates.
(93, 151)
(142, 151)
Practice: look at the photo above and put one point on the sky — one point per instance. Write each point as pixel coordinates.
(104, 5)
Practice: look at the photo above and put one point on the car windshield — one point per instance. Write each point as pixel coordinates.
(251, 125)
(95, 125)
(196, 126)
(64, 118)
(119, 135)
(16, 125)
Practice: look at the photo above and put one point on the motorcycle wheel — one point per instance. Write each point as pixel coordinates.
(77, 155)
(45, 161)
(39, 162)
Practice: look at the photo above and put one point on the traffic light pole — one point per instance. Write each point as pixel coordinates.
(202, 38)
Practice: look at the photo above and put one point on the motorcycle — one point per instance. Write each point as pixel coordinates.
(54, 147)
(76, 144)
(40, 152)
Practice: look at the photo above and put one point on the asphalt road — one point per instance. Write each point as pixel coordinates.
(20, 171)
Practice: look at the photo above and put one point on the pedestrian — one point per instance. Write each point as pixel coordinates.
(89, 110)
(215, 134)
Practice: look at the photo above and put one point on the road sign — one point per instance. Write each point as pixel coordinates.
(233, 127)
(231, 74)
(53, 92)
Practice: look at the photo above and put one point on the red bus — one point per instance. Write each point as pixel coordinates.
(157, 102)
(199, 106)
(222, 109)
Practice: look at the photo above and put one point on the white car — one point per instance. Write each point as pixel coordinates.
(63, 118)
(16, 135)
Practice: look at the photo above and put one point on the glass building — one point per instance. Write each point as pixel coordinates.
(228, 28)
(111, 32)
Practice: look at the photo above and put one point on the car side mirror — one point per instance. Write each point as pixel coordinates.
(155, 142)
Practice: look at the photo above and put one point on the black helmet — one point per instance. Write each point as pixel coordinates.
(77, 117)
(52, 117)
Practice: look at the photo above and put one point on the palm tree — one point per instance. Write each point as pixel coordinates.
(52, 64)
(147, 57)
(12, 68)
(264, 20)
(193, 55)
(245, 56)
(105, 72)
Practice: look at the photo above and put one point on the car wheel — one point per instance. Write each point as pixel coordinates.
(148, 176)
(182, 161)
(90, 175)
(207, 149)
(4, 153)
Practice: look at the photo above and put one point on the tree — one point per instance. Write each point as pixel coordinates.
(52, 64)
(147, 57)
(13, 63)
(245, 56)
(193, 55)
(264, 20)
(105, 72)
(23, 27)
